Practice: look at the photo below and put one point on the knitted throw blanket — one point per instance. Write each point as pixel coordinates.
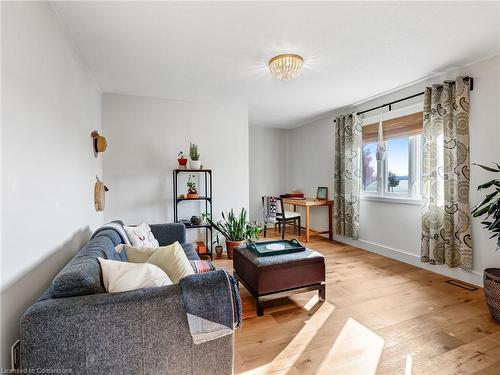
(212, 303)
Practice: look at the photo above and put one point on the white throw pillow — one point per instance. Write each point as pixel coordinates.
(123, 276)
(173, 260)
(141, 236)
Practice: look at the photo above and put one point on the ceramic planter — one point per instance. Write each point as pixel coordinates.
(194, 164)
(182, 163)
(230, 246)
(218, 251)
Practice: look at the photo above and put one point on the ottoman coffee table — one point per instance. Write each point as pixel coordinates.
(276, 276)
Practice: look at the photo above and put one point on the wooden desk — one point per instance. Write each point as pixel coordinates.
(312, 202)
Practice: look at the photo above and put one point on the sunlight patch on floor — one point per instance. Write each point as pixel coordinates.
(312, 302)
(408, 364)
(356, 350)
(285, 360)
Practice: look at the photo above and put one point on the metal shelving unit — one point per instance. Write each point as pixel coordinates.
(206, 197)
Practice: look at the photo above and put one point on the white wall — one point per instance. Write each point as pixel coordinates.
(393, 229)
(268, 166)
(144, 136)
(50, 104)
(310, 164)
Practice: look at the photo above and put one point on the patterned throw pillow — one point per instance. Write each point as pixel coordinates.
(201, 266)
(141, 236)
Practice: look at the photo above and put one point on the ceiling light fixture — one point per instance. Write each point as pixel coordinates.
(286, 66)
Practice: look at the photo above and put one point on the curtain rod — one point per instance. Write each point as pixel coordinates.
(471, 83)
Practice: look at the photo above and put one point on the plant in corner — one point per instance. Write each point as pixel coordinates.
(236, 229)
(490, 208)
(194, 155)
(191, 184)
(181, 159)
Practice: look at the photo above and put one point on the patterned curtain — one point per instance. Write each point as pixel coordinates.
(446, 235)
(347, 175)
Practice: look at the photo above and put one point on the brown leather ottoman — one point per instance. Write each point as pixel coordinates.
(267, 277)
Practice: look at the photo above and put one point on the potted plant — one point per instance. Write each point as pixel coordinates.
(218, 248)
(236, 229)
(181, 159)
(194, 162)
(490, 207)
(191, 184)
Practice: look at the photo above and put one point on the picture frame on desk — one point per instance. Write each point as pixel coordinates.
(322, 193)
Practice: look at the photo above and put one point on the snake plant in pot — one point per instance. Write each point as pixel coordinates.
(235, 228)
(490, 208)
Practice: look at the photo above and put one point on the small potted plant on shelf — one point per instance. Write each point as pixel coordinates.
(194, 155)
(182, 160)
(490, 206)
(236, 229)
(191, 184)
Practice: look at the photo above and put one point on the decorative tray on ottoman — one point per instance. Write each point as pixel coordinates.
(266, 248)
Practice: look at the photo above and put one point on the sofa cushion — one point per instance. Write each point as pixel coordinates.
(173, 260)
(202, 266)
(141, 236)
(169, 233)
(142, 254)
(115, 237)
(125, 276)
(82, 274)
(190, 250)
(136, 254)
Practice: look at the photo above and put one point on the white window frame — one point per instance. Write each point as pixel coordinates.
(415, 148)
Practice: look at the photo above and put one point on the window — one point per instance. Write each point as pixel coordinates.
(399, 175)
(369, 164)
(397, 165)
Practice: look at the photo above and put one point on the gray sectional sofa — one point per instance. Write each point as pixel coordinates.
(76, 327)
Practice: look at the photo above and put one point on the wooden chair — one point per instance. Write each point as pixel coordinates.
(282, 218)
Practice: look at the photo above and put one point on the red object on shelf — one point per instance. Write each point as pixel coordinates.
(182, 162)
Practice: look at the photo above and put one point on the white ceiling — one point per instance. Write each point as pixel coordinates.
(218, 52)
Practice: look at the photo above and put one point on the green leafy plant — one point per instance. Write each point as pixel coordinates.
(235, 227)
(490, 205)
(191, 184)
(180, 155)
(216, 241)
(193, 152)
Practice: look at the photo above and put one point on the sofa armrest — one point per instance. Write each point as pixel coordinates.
(167, 234)
(143, 331)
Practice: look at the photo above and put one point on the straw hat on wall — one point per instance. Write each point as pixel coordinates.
(99, 142)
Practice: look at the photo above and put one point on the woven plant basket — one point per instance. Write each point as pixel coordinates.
(491, 280)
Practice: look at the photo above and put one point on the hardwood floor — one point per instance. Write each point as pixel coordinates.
(381, 316)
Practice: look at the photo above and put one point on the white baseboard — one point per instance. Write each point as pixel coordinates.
(473, 277)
